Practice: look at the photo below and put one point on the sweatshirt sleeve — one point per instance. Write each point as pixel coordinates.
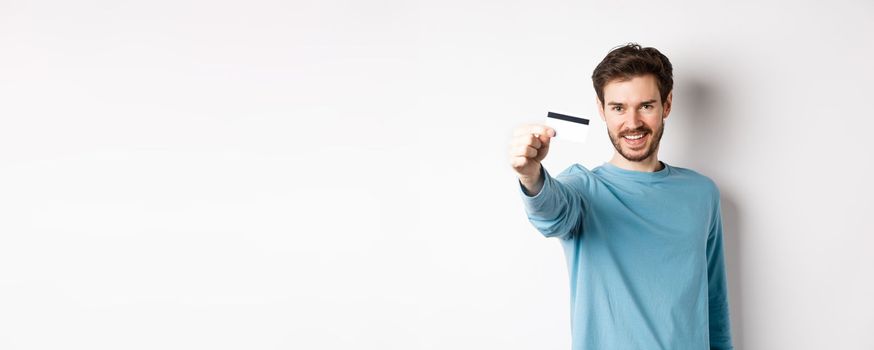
(720, 324)
(557, 210)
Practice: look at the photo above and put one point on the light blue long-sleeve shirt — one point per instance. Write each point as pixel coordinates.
(644, 254)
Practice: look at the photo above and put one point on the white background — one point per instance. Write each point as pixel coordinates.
(334, 175)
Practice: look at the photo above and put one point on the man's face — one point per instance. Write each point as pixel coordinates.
(635, 116)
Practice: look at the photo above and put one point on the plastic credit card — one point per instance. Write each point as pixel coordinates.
(568, 128)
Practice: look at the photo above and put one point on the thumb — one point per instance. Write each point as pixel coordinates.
(545, 138)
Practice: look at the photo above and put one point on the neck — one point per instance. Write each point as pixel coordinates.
(649, 165)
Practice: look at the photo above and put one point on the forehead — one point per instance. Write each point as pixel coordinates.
(636, 89)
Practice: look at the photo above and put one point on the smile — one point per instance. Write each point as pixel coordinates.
(635, 140)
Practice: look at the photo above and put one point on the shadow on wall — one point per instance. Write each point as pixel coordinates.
(709, 109)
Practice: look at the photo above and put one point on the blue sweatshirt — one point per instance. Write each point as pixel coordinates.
(644, 254)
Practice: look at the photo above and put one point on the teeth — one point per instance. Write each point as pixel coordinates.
(633, 137)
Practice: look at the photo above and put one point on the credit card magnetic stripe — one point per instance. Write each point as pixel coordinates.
(568, 118)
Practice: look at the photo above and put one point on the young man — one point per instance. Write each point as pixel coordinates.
(642, 238)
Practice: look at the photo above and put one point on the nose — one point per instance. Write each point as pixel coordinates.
(634, 120)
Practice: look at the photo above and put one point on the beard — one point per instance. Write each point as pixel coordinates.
(653, 146)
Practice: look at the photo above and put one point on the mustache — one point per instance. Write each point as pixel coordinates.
(642, 129)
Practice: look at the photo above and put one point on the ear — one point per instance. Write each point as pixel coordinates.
(600, 108)
(667, 105)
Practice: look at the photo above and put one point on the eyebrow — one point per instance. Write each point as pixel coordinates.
(647, 102)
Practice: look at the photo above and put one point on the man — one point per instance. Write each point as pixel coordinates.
(642, 238)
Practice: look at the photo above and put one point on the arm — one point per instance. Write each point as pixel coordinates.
(720, 324)
(556, 210)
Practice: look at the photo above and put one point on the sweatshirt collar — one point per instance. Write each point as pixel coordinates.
(639, 175)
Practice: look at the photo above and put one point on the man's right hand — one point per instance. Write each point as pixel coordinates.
(529, 147)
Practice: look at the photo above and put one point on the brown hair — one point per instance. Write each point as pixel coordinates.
(632, 60)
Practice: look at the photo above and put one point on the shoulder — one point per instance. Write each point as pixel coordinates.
(576, 170)
(696, 179)
(575, 174)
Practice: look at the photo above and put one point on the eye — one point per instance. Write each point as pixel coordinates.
(617, 108)
(647, 106)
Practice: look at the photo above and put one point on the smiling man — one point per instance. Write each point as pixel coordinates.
(642, 238)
